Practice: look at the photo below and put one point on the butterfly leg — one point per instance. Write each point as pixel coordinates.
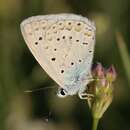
(85, 95)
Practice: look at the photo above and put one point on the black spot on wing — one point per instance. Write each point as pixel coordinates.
(63, 37)
(72, 63)
(78, 24)
(62, 71)
(85, 43)
(90, 51)
(40, 38)
(80, 60)
(36, 43)
(58, 39)
(70, 37)
(53, 59)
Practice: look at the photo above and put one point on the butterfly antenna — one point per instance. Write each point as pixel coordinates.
(30, 91)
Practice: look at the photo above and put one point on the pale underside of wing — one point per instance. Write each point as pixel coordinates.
(60, 43)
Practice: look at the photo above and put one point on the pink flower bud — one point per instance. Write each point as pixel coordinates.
(98, 71)
(111, 73)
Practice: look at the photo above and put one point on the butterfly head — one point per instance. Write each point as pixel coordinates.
(62, 93)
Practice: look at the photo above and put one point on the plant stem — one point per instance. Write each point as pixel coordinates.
(95, 123)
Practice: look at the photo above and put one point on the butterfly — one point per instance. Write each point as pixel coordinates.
(63, 44)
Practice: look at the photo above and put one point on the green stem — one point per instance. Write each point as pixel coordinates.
(95, 123)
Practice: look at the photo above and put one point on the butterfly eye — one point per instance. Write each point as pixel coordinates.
(62, 93)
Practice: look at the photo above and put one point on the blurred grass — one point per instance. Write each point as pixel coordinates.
(123, 50)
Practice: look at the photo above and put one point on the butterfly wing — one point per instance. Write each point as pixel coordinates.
(61, 44)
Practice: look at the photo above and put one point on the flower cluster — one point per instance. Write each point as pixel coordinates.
(102, 89)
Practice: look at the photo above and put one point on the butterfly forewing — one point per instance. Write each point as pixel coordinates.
(35, 39)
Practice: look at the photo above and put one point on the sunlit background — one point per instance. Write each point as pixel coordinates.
(19, 71)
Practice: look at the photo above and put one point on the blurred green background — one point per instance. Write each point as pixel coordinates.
(19, 71)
